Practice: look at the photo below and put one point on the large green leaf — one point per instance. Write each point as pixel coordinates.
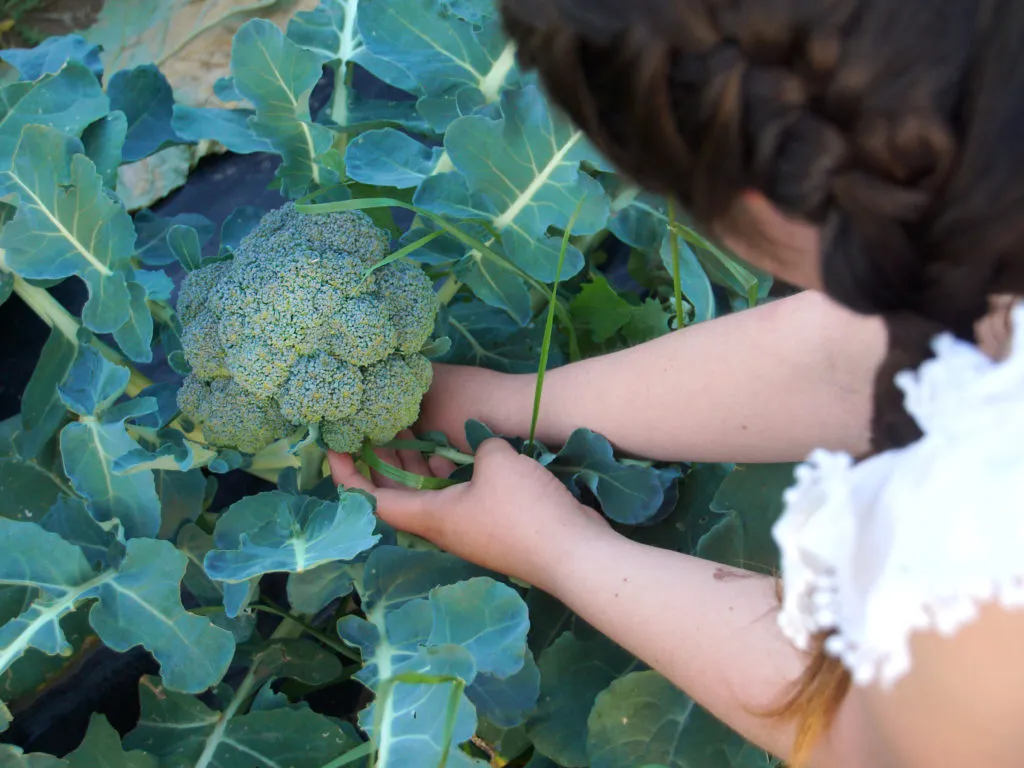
(27, 491)
(643, 719)
(572, 673)
(277, 76)
(431, 615)
(428, 50)
(91, 447)
(51, 55)
(67, 225)
(490, 338)
(182, 731)
(147, 101)
(390, 158)
(135, 337)
(311, 591)
(102, 749)
(67, 101)
(521, 174)
(103, 142)
(752, 494)
(138, 603)
(279, 532)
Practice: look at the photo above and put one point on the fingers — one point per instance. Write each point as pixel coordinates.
(441, 467)
(344, 472)
(405, 509)
(412, 461)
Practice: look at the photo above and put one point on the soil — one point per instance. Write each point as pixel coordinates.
(48, 17)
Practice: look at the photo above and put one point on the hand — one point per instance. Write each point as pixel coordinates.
(459, 393)
(514, 517)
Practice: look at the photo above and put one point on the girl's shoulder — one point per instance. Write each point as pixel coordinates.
(917, 538)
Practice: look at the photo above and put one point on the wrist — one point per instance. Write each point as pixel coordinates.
(570, 552)
(459, 393)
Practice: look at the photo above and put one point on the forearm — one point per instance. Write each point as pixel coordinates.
(709, 629)
(765, 385)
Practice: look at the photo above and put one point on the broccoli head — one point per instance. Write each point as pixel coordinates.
(293, 331)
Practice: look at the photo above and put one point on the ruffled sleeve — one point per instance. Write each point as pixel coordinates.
(917, 538)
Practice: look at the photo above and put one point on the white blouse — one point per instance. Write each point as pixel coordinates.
(913, 538)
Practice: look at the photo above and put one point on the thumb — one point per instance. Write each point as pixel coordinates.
(405, 509)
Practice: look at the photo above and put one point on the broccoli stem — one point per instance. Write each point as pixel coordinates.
(448, 289)
(311, 466)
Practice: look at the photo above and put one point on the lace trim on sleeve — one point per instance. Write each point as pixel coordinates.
(916, 538)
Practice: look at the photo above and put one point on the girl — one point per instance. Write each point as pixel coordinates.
(870, 152)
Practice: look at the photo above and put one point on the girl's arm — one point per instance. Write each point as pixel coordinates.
(765, 385)
(711, 630)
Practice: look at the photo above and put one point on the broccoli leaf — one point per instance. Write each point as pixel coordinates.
(419, 607)
(485, 617)
(488, 337)
(194, 543)
(102, 747)
(311, 591)
(329, 30)
(753, 494)
(694, 281)
(642, 719)
(520, 173)
(147, 101)
(507, 702)
(103, 142)
(231, 127)
(52, 54)
(27, 489)
(151, 246)
(138, 603)
(67, 102)
(182, 496)
(277, 532)
(239, 223)
(70, 519)
(90, 447)
(572, 674)
(183, 242)
(15, 757)
(67, 225)
(390, 158)
(628, 493)
(181, 730)
(442, 54)
(277, 76)
(42, 410)
(135, 337)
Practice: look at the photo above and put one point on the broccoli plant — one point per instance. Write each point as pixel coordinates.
(458, 219)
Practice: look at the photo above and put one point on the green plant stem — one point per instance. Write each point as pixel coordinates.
(677, 286)
(310, 630)
(550, 324)
(448, 289)
(253, 679)
(311, 466)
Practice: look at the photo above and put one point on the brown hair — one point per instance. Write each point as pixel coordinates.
(895, 125)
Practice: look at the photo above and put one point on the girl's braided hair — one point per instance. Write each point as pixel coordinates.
(895, 125)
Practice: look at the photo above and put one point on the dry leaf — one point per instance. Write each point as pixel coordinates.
(190, 40)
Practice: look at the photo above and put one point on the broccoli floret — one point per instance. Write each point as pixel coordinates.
(231, 417)
(295, 331)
